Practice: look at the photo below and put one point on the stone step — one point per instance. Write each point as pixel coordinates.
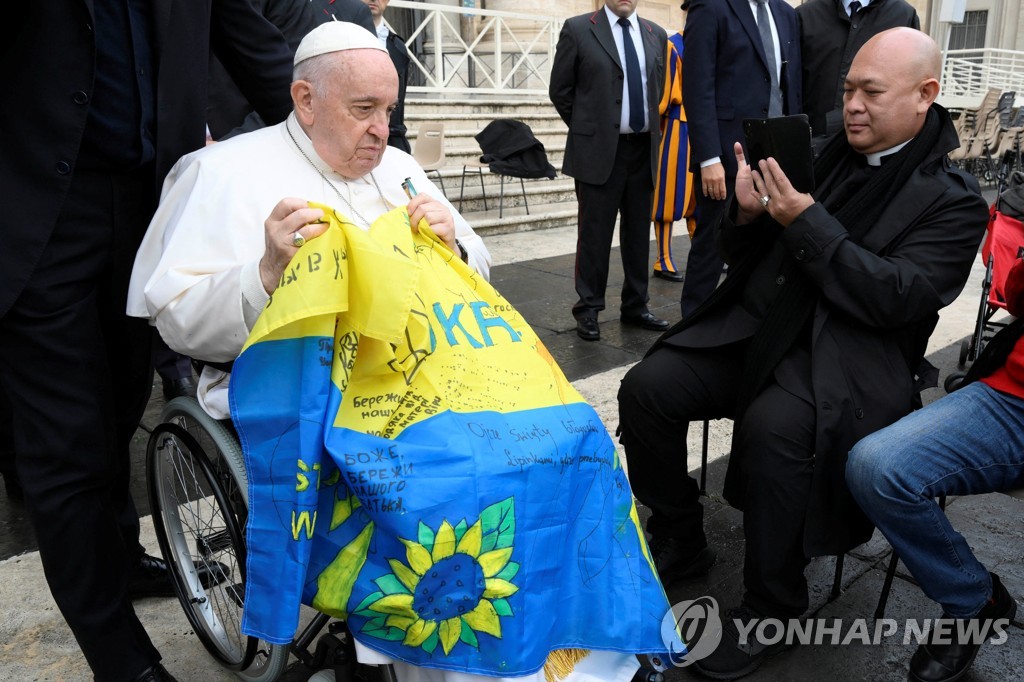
(538, 192)
(465, 137)
(514, 107)
(541, 217)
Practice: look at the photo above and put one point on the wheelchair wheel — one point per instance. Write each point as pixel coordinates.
(199, 494)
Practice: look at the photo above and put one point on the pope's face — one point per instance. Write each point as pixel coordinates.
(621, 8)
(349, 122)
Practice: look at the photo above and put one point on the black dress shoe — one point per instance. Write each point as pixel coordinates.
(156, 674)
(647, 320)
(151, 577)
(949, 659)
(175, 388)
(675, 561)
(587, 329)
(670, 276)
(737, 656)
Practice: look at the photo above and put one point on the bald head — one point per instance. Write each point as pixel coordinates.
(909, 51)
(893, 81)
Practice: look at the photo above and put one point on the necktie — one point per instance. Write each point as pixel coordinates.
(635, 87)
(765, 29)
(854, 8)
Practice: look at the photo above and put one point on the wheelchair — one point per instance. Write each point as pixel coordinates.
(199, 494)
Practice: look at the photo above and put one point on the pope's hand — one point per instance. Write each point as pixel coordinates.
(437, 215)
(289, 218)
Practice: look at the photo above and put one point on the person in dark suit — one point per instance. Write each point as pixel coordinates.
(612, 150)
(399, 53)
(120, 100)
(831, 32)
(728, 76)
(812, 341)
(229, 112)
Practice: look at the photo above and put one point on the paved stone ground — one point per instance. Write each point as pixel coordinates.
(534, 270)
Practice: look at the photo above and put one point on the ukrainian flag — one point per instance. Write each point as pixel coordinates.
(420, 467)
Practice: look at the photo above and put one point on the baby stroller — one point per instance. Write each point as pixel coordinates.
(1004, 243)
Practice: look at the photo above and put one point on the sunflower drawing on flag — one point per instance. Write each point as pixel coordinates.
(453, 584)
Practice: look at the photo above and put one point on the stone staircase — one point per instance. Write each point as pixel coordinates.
(552, 203)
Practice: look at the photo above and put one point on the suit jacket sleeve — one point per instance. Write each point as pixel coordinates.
(256, 56)
(562, 88)
(700, 36)
(922, 271)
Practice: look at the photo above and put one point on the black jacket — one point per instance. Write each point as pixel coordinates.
(874, 300)
(47, 58)
(828, 43)
(400, 58)
(509, 147)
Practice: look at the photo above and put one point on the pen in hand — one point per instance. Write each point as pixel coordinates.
(410, 191)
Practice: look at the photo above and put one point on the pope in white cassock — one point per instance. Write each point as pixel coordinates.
(206, 269)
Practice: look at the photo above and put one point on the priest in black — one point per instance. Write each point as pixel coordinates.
(814, 340)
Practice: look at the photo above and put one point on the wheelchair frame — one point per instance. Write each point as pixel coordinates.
(199, 493)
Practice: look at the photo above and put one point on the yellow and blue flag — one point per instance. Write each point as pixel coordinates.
(420, 466)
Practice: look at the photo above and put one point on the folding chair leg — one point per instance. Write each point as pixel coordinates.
(837, 580)
(483, 191)
(501, 199)
(704, 460)
(440, 180)
(883, 597)
(462, 188)
(526, 203)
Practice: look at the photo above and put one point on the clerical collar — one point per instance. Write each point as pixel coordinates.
(876, 158)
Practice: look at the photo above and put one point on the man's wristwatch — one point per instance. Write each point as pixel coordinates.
(462, 251)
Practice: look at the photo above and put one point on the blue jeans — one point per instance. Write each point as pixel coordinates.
(969, 442)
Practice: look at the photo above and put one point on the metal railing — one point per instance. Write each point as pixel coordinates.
(464, 50)
(968, 74)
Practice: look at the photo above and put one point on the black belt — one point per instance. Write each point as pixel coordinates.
(635, 137)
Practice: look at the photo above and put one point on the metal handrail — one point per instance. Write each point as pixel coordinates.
(466, 50)
(968, 74)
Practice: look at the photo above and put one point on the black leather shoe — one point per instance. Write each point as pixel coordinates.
(587, 329)
(176, 388)
(152, 578)
(670, 276)
(647, 320)
(674, 561)
(949, 659)
(737, 656)
(156, 674)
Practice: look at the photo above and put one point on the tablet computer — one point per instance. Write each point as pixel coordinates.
(787, 139)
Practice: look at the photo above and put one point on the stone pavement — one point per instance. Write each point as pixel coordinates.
(534, 271)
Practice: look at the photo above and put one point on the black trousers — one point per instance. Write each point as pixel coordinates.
(170, 364)
(703, 264)
(628, 193)
(77, 376)
(775, 442)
